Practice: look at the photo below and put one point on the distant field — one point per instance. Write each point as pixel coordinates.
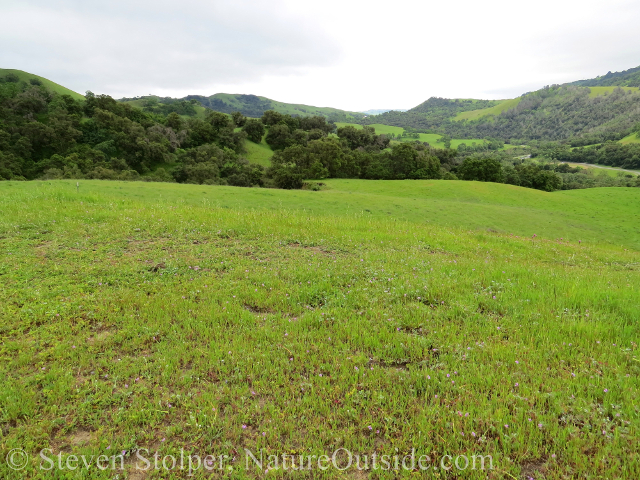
(597, 91)
(380, 129)
(143, 320)
(495, 110)
(599, 169)
(54, 87)
(430, 138)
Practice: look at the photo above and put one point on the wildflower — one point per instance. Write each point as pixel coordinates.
(606, 390)
(244, 427)
(517, 385)
(370, 428)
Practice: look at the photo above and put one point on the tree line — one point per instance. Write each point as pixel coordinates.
(50, 136)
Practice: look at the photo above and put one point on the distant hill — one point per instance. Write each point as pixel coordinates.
(383, 110)
(28, 77)
(255, 106)
(626, 78)
(576, 114)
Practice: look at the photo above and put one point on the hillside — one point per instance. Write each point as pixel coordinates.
(28, 77)
(168, 317)
(555, 113)
(626, 78)
(254, 106)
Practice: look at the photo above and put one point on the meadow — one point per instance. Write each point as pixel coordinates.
(213, 319)
(430, 138)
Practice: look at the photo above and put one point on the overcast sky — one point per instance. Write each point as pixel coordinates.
(349, 54)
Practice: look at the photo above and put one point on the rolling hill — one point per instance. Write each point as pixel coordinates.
(254, 106)
(27, 77)
(626, 78)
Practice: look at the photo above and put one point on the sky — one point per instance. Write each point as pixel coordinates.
(350, 54)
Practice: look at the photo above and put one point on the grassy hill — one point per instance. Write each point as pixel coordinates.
(168, 317)
(503, 106)
(54, 87)
(626, 78)
(255, 106)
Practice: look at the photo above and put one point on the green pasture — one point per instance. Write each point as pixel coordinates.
(142, 318)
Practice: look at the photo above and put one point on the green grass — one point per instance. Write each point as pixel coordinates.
(173, 316)
(633, 138)
(597, 91)
(260, 153)
(54, 87)
(495, 110)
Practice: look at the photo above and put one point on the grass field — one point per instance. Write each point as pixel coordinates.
(166, 317)
(495, 110)
(260, 153)
(54, 87)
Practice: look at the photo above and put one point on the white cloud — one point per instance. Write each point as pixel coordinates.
(351, 54)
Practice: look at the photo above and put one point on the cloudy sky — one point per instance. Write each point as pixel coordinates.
(349, 54)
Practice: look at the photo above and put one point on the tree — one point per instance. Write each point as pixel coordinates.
(481, 169)
(238, 119)
(271, 117)
(413, 161)
(278, 137)
(254, 130)
(287, 176)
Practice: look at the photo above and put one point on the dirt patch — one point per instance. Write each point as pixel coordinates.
(532, 468)
(315, 248)
(81, 437)
(99, 337)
